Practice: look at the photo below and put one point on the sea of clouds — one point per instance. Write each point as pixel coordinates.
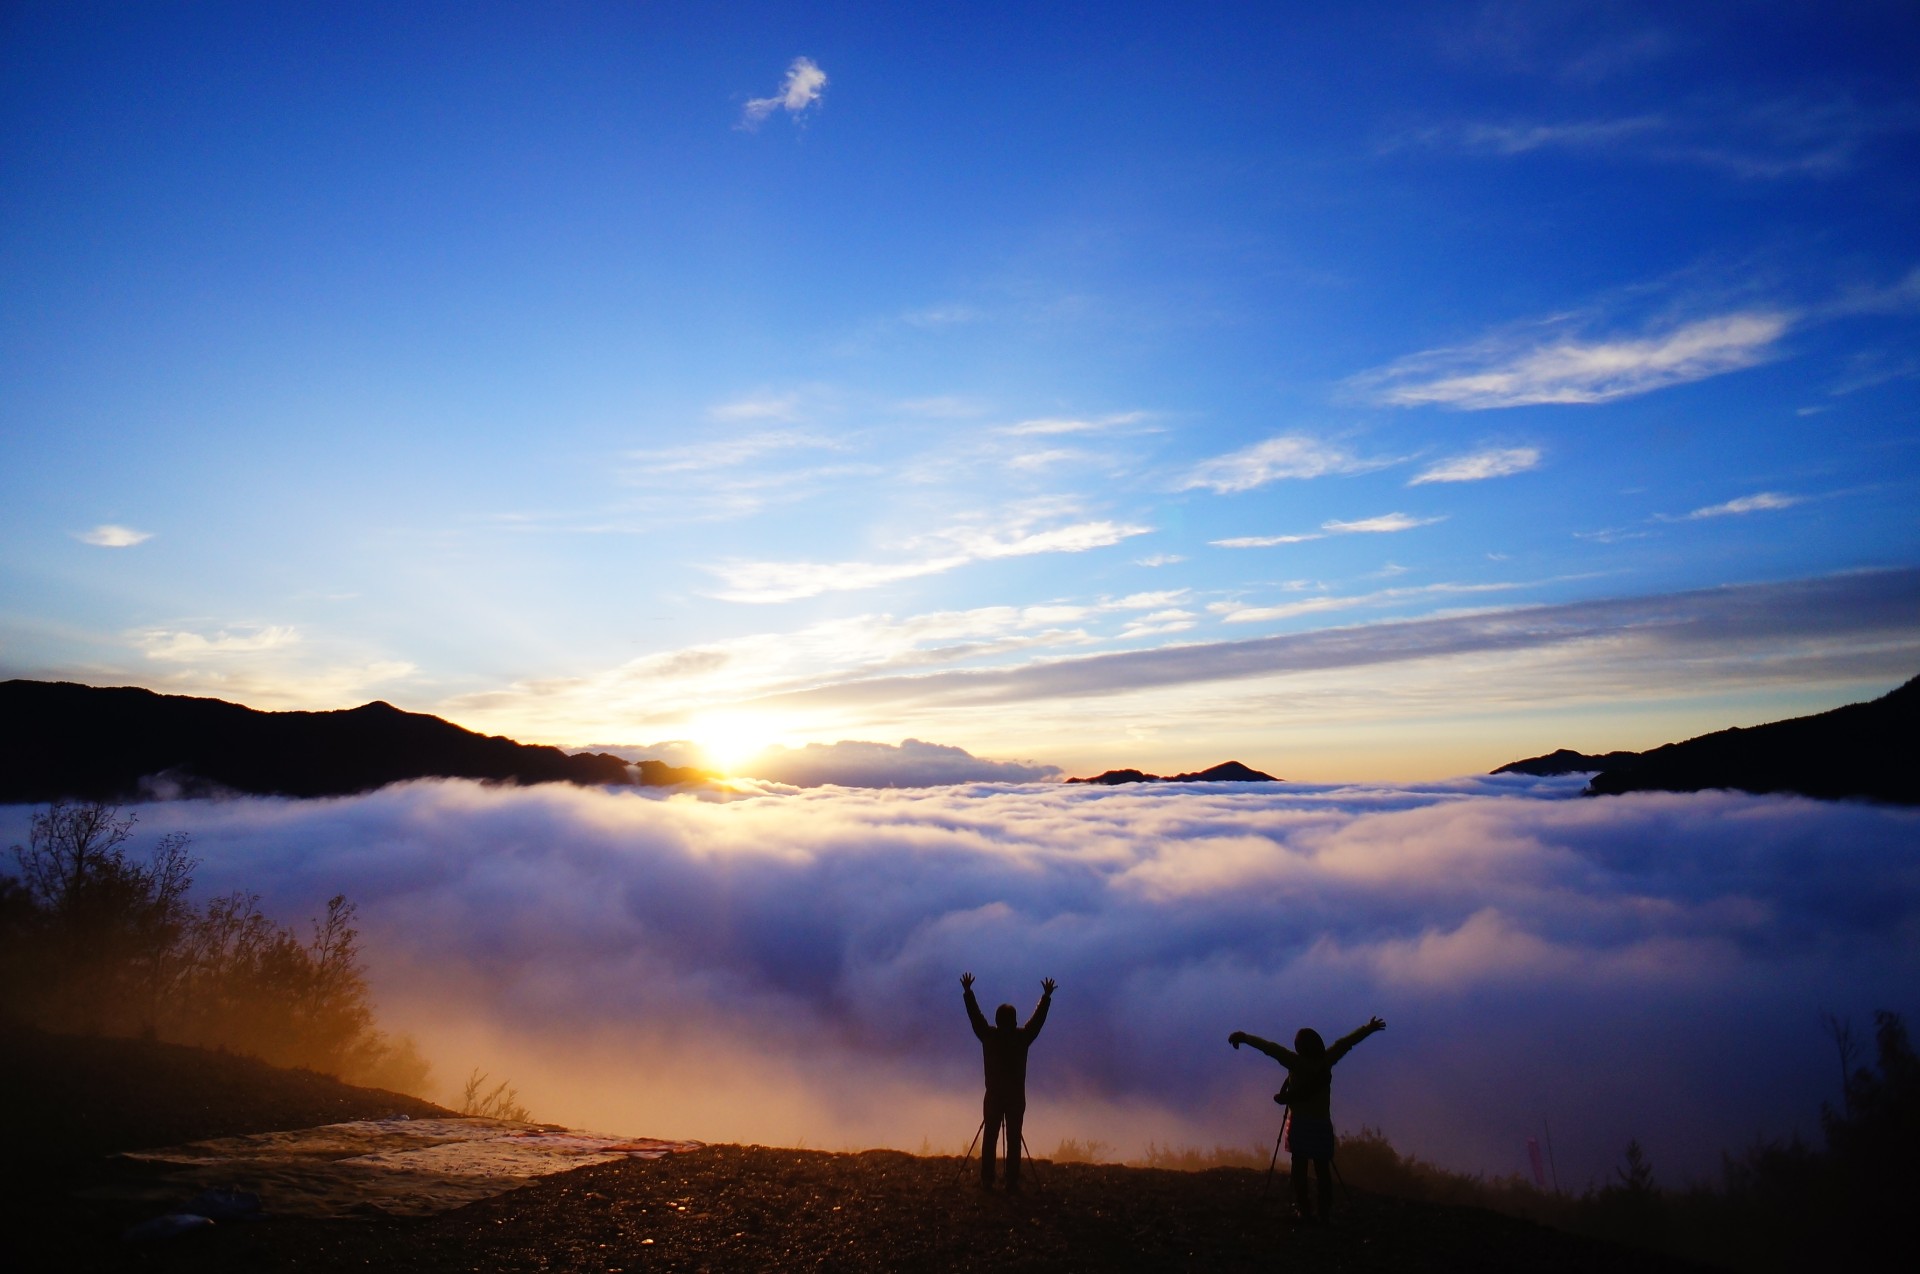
(780, 965)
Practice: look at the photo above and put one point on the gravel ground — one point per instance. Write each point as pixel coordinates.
(722, 1208)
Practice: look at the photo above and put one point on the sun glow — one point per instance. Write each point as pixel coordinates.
(729, 740)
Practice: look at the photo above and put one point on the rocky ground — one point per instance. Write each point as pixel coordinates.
(721, 1208)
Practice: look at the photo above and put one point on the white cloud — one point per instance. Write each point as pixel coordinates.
(1284, 456)
(1504, 372)
(950, 549)
(1073, 424)
(1386, 523)
(1479, 465)
(1159, 559)
(783, 964)
(1265, 541)
(801, 89)
(161, 643)
(781, 407)
(725, 453)
(1762, 141)
(1760, 502)
(1236, 613)
(111, 536)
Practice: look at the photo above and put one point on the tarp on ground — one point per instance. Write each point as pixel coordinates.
(397, 1167)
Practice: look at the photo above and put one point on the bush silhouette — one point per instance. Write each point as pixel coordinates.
(96, 942)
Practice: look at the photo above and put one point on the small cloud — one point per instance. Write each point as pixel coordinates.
(1073, 424)
(1159, 559)
(1264, 541)
(800, 90)
(182, 646)
(953, 548)
(1480, 465)
(1284, 456)
(1386, 523)
(942, 407)
(1035, 460)
(781, 407)
(1504, 373)
(1758, 503)
(940, 316)
(729, 452)
(109, 536)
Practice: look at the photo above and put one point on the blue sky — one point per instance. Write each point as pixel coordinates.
(1380, 392)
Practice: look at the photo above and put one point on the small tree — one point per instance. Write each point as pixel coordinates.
(104, 929)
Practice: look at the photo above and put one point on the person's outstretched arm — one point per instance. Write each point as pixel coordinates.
(1345, 1042)
(1285, 1056)
(973, 1006)
(1039, 1018)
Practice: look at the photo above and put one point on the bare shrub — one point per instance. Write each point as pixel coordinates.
(502, 1101)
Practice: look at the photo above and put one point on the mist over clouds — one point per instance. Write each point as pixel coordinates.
(909, 763)
(773, 965)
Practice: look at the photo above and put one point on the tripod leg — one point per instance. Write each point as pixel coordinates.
(968, 1157)
(1284, 1121)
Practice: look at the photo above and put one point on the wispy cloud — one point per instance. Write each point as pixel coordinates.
(1385, 523)
(175, 644)
(800, 90)
(943, 551)
(1073, 424)
(726, 453)
(1284, 456)
(1159, 559)
(1760, 502)
(1523, 371)
(111, 536)
(1495, 463)
(1761, 141)
(1676, 636)
(781, 407)
(1237, 613)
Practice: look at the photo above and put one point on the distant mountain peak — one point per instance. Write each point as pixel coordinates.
(1225, 772)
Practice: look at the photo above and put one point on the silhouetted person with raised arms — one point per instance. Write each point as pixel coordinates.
(1309, 1093)
(1003, 1048)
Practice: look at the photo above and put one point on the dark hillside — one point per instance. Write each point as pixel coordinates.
(723, 1208)
(88, 743)
(1867, 750)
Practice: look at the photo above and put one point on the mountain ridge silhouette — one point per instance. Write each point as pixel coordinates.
(1225, 772)
(65, 740)
(1859, 750)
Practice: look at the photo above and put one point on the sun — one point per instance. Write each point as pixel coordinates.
(730, 739)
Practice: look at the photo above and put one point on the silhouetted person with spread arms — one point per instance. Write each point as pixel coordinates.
(1003, 1047)
(1309, 1093)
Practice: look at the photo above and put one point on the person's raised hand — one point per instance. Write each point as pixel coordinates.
(1237, 1038)
(1377, 1024)
(966, 982)
(1047, 985)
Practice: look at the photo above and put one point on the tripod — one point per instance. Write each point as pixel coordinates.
(1025, 1149)
(1285, 1121)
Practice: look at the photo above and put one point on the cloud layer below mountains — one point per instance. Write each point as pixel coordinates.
(775, 965)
